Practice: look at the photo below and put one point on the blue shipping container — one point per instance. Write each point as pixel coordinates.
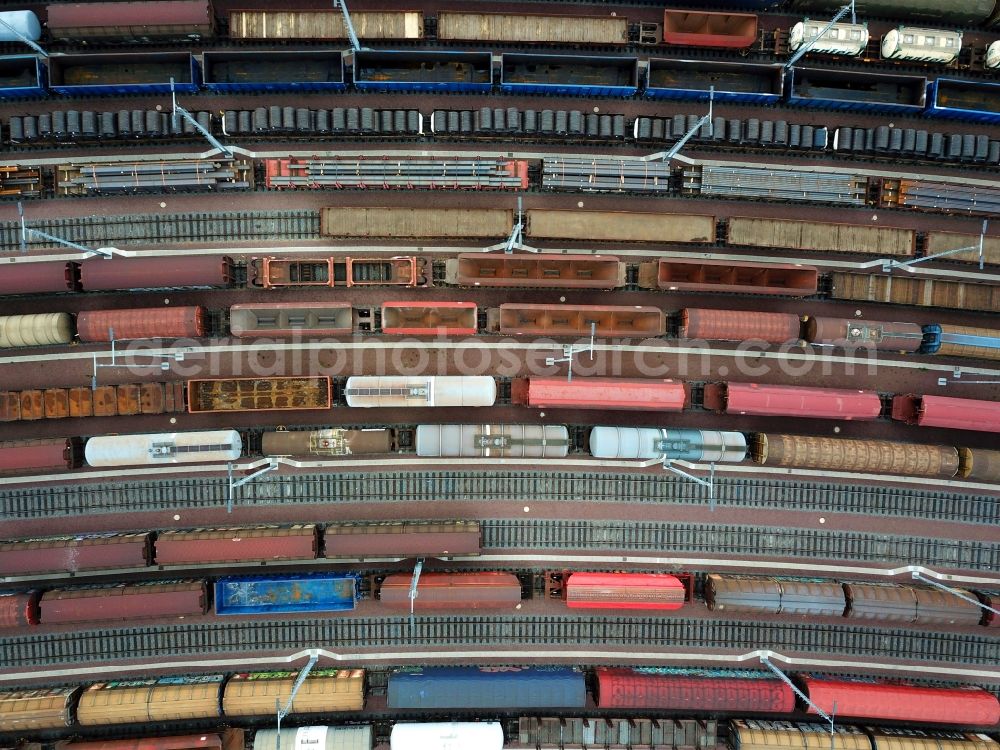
(302, 70)
(734, 82)
(21, 75)
(965, 100)
(117, 74)
(380, 70)
(250, 595)
(569, 75)
(842, 89)
(487, 687)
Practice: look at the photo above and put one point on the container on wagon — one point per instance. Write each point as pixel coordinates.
(262, 595)
(487, 687)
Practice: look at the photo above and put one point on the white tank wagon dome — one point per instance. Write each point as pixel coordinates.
(443, 390)
(926, 45)
(839, 39)
(314, 738)
(993, 55)
(497, 441)
(25, 22)
(454, 735)
(38, 329)
(679, 445)
(164, 448)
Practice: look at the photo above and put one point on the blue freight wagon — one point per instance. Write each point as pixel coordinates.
(487, 687)
(750, 83)
(123, 73)
(965, 100)
(252, 595)
(845, 89)
(235, 71)
(21, 75)
(569, 75)
(421, 70)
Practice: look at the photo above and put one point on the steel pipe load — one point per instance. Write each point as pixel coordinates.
(836, 454)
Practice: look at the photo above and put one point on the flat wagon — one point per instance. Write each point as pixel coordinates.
(290, 319)
(792, 401)
(259, 394)
(324, 690)
(820, 236)
(531, 28)
(324, 24)
(922, 292)
(236, 545)
(856, 456)
(400, 270)
(124, 602)
(328, 443)
(484, 687)
(460, 223)
(515, 319)
(68, 554)
(739, 325)
(264, 595)
(725, 276)
(488, 590)
(402, 539)
(600, 393)
(492, 441)
(620, 226)
(430, 318)
(938, 242)
(691, 690)
(144, 701)
(536, 271)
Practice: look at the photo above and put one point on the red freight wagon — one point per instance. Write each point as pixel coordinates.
(626, 321)
(697, 29)
(33, 455)
(181, 20)
(430, 318)
(275, 273)
(231, 739)
(132, 601)
(19, 610)
(39, 278)
(537, 271)
(251, 544)
(729, 277)
(67, 554)
(491, 590)
(141, 323)
(739, 325)
(792, 401)
(627, 688)
(287, 319)
(157, 273)
(600, 393)
(402, 539)
(624, 591)
(968, 705)
(943, 411)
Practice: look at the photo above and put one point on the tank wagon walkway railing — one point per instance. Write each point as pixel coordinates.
(53, 501)
(379, 634)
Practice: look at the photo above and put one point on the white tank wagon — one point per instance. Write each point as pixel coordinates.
(925, 45)
(24, 22)
(699, 446)
(441, 390)
(494, 441)
(454, 735)
(39, 329)
(159, 449)
(839, 39)
(993, 55)
(315, 738)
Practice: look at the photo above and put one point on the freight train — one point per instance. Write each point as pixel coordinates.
(501, 690)
(491, 442)
(326, 592)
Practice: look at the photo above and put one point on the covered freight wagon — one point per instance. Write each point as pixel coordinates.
(961, 341)
(600, 393)
(692, 690)
(237, 545)
(909, 291)
(131, 22)
(67, 554)
(944, 411)
(855, 456)
(766, 735)
(39, 278)
(487, 590)
(624, 591)
(792, 401)
(917, 605)
(741, 594)
(57, 454)
(141, 323)
(397, 539)
(227, 739)
(487, 687)
(324, 690)
(41, 708)
(124, 602)
(178, 270)
(144, 701)
(958, 12)
(263, 595)
(738, 325)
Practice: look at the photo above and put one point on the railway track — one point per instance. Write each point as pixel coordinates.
(54, 501)
(222, 226)
(380, 633)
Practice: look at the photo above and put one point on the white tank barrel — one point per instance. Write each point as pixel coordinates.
(164, 448)
(315, 738)
(455, 735)
(484, 440)
(927, 45)
(442, 390)
(38, 329)
(680, 445)
(993, 55)
(24, 22)
(839, 39)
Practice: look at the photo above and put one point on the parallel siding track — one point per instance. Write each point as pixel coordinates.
(382, 633)
(496, 486)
